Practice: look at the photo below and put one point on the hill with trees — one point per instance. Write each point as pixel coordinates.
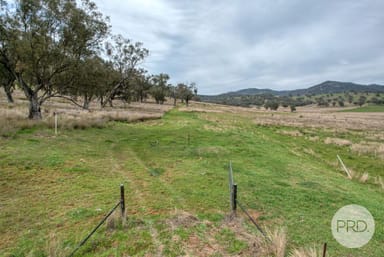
(328, 93)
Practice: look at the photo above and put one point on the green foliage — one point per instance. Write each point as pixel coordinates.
(160, 88)
(273, 105)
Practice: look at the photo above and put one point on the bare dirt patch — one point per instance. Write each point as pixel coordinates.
(210, 243)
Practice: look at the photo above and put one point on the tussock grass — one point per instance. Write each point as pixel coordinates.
(364, 177)
(337, 141)
(374, 148)
(379, 181)
(306, 252)
(276, 243)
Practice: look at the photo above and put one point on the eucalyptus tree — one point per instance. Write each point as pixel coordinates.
(186, 92)
(160, 87)
(86, 81)
(141, 84)
(125, 57)
(43, 39)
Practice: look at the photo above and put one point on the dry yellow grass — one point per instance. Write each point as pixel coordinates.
(293, 133)
(13, 116)
(337, 141)
(305, 252)
(276, 245)
(379, 181)
(375, 148)
(364, 178)
(308, 117)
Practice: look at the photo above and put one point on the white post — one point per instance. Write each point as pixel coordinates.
(344, 167)
(55, 122)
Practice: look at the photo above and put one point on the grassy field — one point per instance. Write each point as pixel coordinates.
(368, 108)
(55, 189)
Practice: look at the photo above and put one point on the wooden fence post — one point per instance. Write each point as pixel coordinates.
(234, 200)
(324, 249)
(122, 201)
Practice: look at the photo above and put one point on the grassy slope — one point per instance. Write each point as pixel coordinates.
(368, 108)
(57, 185)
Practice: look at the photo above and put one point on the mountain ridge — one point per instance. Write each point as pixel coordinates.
(326, 87)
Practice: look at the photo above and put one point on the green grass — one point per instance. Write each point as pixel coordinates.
(64, 185)
(368, 108)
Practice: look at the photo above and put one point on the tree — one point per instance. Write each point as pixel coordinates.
(273, 105)
(141, 84)
(362, 100)
(88, 81)
(125, 56)
(42, 39)
(160, 89)
(293, 108)
(185, 92)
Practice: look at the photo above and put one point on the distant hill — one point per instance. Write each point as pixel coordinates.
(335, 87)
(327, 87)
(255, 96)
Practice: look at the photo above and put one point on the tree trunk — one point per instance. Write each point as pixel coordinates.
(141, 97)
(34, 108)
(32, 96)
(8, 92)
(87, 100)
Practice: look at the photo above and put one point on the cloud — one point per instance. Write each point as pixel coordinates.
(228, 45)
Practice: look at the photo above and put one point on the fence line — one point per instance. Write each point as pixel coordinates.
(235, 202)
(253, 221)
(121, 203)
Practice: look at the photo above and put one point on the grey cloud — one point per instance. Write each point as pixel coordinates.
(228, 45)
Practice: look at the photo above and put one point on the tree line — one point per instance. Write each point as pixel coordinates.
(273, 102)
(64, 48)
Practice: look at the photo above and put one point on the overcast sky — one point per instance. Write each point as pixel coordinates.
(278, 44)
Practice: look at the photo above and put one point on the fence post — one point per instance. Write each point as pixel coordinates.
(324, 249)
(122, 201)
(55, 114)
(234, 199)
(230, 182)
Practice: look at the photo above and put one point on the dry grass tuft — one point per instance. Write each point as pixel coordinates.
(54, 247)
(277, 244)
(302, 252)
(293, 133)
(374, 148)
(364, 178)
(379, 181)
(337, 141)
(114, 221)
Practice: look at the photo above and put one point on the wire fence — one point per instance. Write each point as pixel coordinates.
(121, 203)
(235, 202)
